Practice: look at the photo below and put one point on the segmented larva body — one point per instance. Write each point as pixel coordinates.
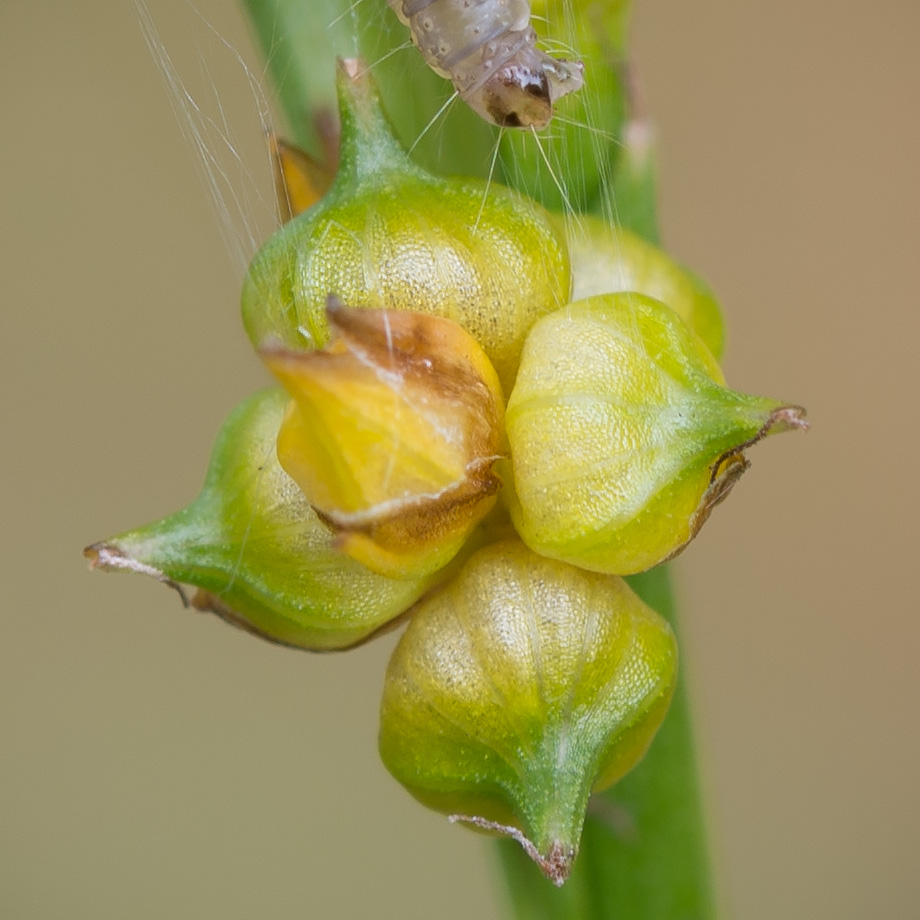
(487, 49)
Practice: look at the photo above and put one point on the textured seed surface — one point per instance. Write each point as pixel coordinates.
(521, 686)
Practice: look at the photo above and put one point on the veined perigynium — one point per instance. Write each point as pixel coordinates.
(392, 433)
(623, 437)
(256, 551)
(520, 688)
(390, 235)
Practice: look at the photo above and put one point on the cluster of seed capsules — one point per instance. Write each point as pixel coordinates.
(486, 418)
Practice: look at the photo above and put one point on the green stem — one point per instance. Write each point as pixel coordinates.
(643, 855)
(304, 81)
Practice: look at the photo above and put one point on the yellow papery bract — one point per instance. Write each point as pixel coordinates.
(391, 434)
(622, 439)
(518, 689)
(300, 180)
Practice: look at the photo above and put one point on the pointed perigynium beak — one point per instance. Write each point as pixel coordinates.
(391, 434)
(255, 550)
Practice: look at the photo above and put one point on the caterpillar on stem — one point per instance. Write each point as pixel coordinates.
(487, 49)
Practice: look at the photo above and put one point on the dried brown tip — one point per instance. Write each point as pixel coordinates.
(732, 465)
(555, 864)
(785, 418)
(352, 67)
(109, 557)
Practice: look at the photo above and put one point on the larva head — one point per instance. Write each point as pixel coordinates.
(522, 92)
(516, 96)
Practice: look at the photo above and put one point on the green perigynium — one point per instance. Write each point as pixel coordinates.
(256, 550)
(390, 235)
(520, 688)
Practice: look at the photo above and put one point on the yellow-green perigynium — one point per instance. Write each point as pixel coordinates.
(607, 259)
(519, 688)
(392, 433)
(259, 555)
(390, 235)
(622, 436)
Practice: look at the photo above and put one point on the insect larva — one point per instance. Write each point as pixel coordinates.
(487, 49)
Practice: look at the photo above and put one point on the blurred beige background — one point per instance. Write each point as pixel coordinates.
(155, 763)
